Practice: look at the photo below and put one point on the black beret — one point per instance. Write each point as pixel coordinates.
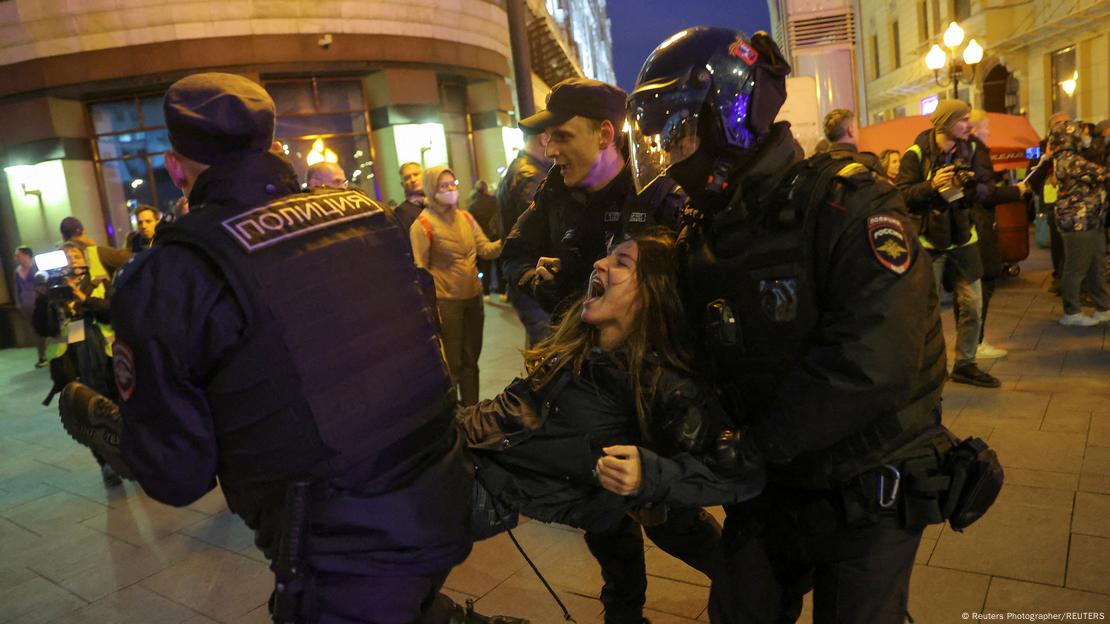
(213, 117)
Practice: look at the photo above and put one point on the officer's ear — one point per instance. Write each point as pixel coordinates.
(608, 133)
(176, 169)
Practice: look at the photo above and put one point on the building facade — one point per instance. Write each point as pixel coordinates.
(821, 40)
(369, 83)
(1039, 56)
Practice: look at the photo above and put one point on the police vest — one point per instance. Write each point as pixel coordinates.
(750, 279)
(754, 283)
(339, 375)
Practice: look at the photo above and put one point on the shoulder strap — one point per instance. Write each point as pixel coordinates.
(427, 227)
(470, 218)
(816, 175)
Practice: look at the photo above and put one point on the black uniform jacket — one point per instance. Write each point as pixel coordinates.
(541, 444)
(181, 320)
(872, 344)
(577, 227)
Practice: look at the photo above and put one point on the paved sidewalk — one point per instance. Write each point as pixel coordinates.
(71, 551)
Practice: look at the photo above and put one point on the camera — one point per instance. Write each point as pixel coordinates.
(53, 270)
(962, 177)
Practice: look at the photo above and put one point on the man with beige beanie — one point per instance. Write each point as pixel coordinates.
(940, 188)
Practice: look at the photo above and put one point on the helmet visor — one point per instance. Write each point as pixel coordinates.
(659, 137)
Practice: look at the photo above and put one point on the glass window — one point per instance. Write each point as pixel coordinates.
(114, 116)
(304, 125)
(292, 97)
(129, 133)
(1065, 81)
(875, 55)
(922, 21)
(164, 188)
(896, 43)
(153, 117)
(961, 10)
(333, 112)
(129, 144)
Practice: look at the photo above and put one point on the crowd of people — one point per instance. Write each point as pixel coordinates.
(951, 187)
(709, 320)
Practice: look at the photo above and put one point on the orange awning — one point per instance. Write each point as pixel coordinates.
(1010, 136)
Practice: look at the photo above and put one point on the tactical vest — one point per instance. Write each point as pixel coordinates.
(755, 283)
(751, 281)
(339, 374)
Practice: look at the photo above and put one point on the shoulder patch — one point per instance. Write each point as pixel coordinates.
(888, 242)
(282, 220)
(123, 366)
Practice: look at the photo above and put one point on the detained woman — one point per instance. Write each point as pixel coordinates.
(447, 242)
(618, 373)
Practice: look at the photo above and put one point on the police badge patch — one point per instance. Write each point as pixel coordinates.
(888, 243)
(123, 365)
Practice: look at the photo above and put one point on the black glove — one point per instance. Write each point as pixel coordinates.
(93, 420)
(736, 455)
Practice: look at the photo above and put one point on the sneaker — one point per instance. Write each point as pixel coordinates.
(41, 363)
(970, 374)
(1078, 320)
(111, 479)
(1102, 316)
(988, 351)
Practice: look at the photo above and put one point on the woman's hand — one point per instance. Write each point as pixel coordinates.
(620, 471)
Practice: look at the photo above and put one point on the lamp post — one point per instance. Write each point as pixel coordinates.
(937, 58)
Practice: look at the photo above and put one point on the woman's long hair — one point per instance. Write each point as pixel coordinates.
(659, 330)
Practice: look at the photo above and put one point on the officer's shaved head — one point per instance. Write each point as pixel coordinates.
(327, 174)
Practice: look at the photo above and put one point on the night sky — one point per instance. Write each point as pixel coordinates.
(640, 25)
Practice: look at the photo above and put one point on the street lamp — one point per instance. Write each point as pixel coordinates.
(937, 58)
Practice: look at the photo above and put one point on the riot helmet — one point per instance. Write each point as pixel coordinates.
(703, 92)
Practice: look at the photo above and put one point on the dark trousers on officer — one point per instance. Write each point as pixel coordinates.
(384, 599)
(790, 542)
(690, 535)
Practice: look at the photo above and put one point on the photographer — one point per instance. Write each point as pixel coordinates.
(940, 188)
(73, 314)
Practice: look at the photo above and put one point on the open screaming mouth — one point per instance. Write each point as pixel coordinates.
(596, 288)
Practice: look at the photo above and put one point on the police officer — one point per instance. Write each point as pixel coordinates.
(586, 200)
(815, 307)
(514, 194)
(227, 368)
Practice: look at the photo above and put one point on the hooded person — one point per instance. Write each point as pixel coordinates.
(447, 241)
(1081, 220)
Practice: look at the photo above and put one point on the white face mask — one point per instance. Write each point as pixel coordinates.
(1086, 141)
(448, 198)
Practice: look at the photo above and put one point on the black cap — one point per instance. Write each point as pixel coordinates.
(581, 97)
(213, 117)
